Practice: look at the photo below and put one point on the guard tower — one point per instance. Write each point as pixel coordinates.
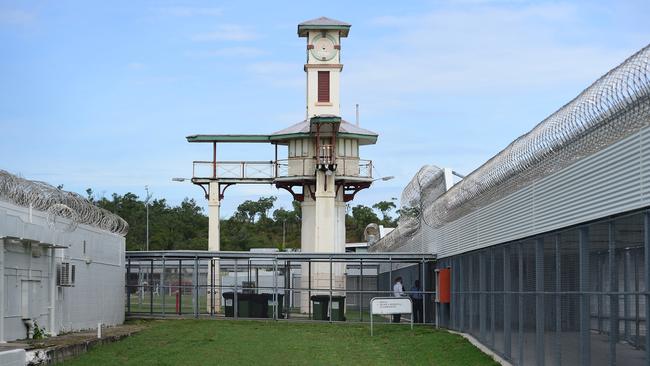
(323, 169)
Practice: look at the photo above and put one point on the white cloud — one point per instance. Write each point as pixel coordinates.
(281, 74)
(135, 66)
(480, 49)
(230, 52)
(226, 32)
(187, 11)
(16, 17)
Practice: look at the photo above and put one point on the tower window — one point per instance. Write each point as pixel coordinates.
(323, 86)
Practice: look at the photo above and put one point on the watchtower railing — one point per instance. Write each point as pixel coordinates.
(269, 170)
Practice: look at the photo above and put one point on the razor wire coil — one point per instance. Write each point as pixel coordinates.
(615, 106)
(59, 204)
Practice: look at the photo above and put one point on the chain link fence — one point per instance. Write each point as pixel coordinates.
(572, 297)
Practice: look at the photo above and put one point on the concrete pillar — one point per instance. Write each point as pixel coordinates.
(307, 242)
(52, 309)
(214, 244)
(213, 217)
(323, 231)
(325, 218)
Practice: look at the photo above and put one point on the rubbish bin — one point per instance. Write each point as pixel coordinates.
(338, 308)
(229, 303)
(257, 305)
(271, 309)
(320, 306)
(243, 304)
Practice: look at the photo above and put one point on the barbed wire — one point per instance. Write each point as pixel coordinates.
(430, 180)
(58, 203)
(615, 106)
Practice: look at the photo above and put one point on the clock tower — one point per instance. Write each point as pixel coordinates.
(323, 169)
(323, 67)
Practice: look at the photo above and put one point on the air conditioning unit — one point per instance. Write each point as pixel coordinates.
(65, 274)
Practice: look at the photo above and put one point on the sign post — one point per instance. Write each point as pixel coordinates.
(389, 306)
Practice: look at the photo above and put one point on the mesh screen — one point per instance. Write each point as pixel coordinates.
(523, 299)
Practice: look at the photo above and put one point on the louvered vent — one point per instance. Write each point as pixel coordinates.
(323, 86)
(65, 273)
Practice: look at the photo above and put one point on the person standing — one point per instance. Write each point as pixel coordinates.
(416, 296)
(398, 291)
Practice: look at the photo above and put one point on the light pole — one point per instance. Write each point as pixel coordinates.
(146, 205)
(383, 179)
(284, 233)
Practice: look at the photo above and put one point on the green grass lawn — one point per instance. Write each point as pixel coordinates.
(211, 342)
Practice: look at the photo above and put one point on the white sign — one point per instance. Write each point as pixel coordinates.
(391, 305)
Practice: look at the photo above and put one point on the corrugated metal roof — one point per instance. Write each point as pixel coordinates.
(345, 127)
(323, 23)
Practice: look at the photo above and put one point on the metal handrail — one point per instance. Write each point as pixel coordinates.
(267, 169)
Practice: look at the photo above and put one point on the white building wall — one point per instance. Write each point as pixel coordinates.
(612, 181)
(98, 294)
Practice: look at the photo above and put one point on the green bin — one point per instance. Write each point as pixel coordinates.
(338, 308)
(243, 304)
(258, 305)
(229, 303)
(320, 306)
(280, 305)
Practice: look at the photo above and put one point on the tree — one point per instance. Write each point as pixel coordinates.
(356, 224)
(255, 224)
(385, 207)
(250, 210)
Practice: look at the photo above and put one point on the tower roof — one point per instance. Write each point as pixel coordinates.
(323, 23)
(346, 129)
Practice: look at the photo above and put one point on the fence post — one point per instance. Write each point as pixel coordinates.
(585, 341)
(539, 300)
(196, 287)
(275, 288)
(179, 288)
(482, 311)
(470, 292)
(558, 301)
(212, 292)
(162, 285)
(128, 288)
(492, 300)
(361, 290)
(330, 303)
(151, 288)
(507, 303)
(234, 298)
(462, 296)
(613, 288)
(646, 272)
(424, 296)
(287, 290)
(309, 287)
(520, 268)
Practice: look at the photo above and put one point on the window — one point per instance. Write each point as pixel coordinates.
(323, 86)
(340, 148)
(305, 147)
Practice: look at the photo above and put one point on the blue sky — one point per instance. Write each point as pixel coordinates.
(102, 94)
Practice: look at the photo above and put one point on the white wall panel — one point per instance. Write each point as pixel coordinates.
(613, 181)
(98, 295)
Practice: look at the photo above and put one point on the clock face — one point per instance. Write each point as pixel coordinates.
(323, 48)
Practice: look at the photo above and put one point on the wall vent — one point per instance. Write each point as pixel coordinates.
(65, 273)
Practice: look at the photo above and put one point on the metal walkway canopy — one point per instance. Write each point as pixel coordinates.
(296, 256)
